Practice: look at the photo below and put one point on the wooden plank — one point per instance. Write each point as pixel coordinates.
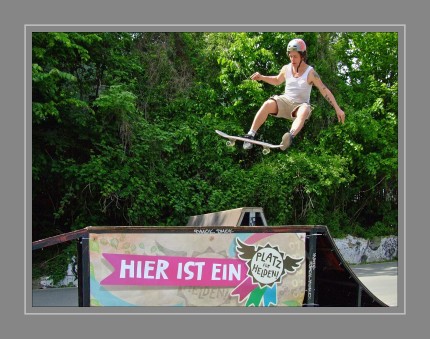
(57, 239)
(207, 229)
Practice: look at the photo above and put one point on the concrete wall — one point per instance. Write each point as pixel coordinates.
(359, 251)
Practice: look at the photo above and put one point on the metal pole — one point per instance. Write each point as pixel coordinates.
(310, 274)
(83, 272)
(360, 290)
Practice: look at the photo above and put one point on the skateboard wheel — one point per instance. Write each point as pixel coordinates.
(266, 151)
(230, 143)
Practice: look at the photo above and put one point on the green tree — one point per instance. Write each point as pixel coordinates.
(123, 132)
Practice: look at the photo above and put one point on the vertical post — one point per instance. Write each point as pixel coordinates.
(310, 273)
(83, 271)
(251, 218)
(360, 290)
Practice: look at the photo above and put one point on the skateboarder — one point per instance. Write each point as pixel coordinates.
(294, 104)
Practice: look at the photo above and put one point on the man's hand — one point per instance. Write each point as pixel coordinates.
(340, 115)
(256, 76)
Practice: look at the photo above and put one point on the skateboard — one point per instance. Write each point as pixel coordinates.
(232, 139)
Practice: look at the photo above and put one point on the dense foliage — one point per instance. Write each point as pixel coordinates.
(123, 132)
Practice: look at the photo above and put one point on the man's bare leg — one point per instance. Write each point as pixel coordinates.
(269, 107)
(301, 114)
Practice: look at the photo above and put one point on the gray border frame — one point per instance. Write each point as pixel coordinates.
(401, 29)
(16, 13)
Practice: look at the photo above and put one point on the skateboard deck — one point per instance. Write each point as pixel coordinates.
(232, 139)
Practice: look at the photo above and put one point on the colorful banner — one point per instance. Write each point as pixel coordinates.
(211, 269)
(144, 270)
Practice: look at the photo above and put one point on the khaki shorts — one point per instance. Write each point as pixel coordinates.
(286, 107)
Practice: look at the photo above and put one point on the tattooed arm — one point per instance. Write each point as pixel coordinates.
(315, 80)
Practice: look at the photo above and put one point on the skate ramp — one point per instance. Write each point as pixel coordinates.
(330, 282)
(244, 216)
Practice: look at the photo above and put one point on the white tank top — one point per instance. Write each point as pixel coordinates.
(297, 89)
